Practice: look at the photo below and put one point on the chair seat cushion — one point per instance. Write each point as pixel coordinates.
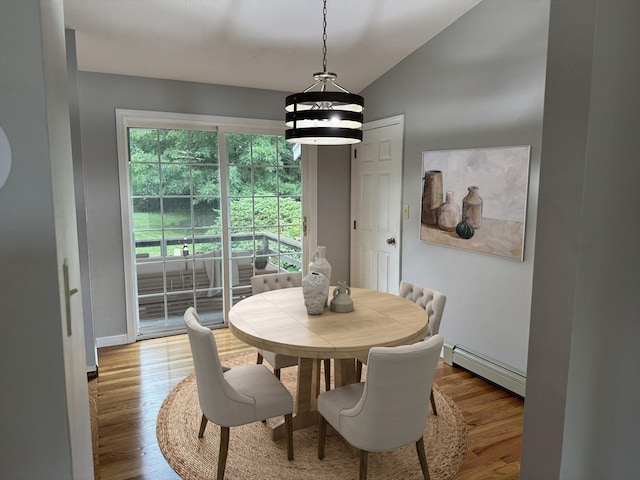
(331, 403)
(257, 382)
(278, 360)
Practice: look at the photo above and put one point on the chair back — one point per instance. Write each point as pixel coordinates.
(393, 409)
(274, 281)
(432, 301)
(219, 401)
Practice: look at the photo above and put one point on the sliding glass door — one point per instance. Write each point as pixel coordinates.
(207, 208)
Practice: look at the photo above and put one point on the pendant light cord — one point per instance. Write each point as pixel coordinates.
(324, 37)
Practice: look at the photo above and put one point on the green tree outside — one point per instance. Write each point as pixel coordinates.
(175, 186)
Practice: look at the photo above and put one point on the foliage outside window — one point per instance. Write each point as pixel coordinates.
(175, 189)
(265, 198)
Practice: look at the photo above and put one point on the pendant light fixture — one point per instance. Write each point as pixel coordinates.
(320, 116)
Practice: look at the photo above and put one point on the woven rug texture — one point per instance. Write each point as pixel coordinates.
(253, 455)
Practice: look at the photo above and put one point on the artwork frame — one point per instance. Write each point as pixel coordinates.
(476, 199)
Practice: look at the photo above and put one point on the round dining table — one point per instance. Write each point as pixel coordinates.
(278, 321)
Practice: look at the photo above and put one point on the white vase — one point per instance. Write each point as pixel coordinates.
(320, 264)
(315, 289)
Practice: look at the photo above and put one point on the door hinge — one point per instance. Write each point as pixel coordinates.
(354, 224)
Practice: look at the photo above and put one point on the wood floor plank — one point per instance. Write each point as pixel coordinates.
(135, 379)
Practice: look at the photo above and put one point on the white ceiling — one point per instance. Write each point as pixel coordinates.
(269, 44)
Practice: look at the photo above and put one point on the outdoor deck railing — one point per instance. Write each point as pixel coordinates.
(272, 245)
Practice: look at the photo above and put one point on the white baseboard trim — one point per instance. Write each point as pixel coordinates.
(485, 367)
(111, 341)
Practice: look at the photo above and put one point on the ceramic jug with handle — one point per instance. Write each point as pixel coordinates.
(341, 302)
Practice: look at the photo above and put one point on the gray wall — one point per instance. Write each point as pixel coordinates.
(334, 198)
(479, 83)
(44, 416)
(583, 384)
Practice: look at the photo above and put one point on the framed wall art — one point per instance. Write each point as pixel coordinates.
(476, 199)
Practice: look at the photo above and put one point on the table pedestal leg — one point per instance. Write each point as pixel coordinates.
(344, 371)
(306, 405)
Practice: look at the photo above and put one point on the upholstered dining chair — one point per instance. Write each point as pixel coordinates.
(389, 410)
(433, 302)
(275, 281)
(241, 395)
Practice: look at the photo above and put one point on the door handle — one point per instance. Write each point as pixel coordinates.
(391, 241)
(67, 294)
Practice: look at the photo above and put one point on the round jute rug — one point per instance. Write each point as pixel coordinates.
(253, 455)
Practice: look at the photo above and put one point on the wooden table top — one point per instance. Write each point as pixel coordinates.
(278, 321)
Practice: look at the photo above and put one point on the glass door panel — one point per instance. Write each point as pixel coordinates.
(265, 208)
(175, 199)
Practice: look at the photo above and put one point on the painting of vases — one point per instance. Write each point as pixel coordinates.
(476, 199)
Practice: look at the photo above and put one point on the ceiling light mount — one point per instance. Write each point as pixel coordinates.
(324, 113)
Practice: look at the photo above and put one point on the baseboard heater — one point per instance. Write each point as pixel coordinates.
(487, 368)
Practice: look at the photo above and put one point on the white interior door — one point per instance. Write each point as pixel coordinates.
(376, 206)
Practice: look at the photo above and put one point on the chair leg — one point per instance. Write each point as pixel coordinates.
(359, 370)
(260, 359)
(288, 421)
(433, 404)
(327, 374)
(423, 458)
(203, 425)
(322, 432)
(276, 372)
(364, 456)
(224, 449)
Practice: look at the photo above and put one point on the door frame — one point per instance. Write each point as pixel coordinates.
(384, 122)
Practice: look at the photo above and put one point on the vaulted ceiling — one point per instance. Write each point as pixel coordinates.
(267, 44)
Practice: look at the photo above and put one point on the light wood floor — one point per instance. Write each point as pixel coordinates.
(134, 380)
